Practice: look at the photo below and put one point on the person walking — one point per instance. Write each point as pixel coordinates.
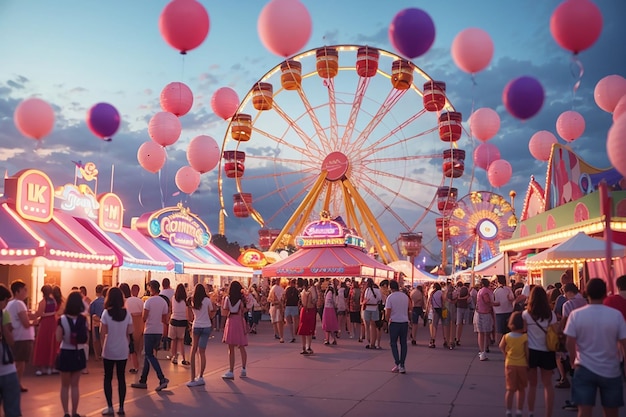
(178, 324)
(203, 312)
(417, 311)
(308, 313)
(23, 328)
(354, 310)
(71, 333)
(541, 361)
(397, 313)
(502, 306)
(514, 345)
(275, 299)
(435, 305)
(483, 318)
(116, 326)
(594, 333)
(371, 298)
(291, 300)
(45, 348)
(9, 382)
(330, 325)
(234, 309)
(134, 306)
(155, 314)
(95, 312)
(462, 310)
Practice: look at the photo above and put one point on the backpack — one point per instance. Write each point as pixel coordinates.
(78, 330)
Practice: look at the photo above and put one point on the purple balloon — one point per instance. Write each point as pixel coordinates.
(412, 32)
(523, 97)
(103, 120)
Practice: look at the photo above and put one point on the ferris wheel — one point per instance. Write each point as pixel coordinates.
(352, 130)
(479, 221)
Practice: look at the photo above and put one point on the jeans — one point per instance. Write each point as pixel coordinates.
(10, 395)
(150, 343)
(398, 331)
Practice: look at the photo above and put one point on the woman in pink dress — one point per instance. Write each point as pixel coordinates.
(330, 324)
(45, 343)
(234, 309)
(308, 313)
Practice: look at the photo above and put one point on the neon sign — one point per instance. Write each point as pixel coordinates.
(176, 225)
(110, 213)
(31, 191)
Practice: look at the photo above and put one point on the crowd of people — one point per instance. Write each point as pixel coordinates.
(120, 325)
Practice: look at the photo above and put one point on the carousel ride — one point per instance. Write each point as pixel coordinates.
(352, 130)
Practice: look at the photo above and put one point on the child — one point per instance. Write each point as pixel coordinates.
(514, 345)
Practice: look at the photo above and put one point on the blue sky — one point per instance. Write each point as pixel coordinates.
(74, 54)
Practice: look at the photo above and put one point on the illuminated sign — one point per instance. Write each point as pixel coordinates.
(77, 200)
(325, 228)
(176, 225)
(252, 258)
(307, 242)
(110, 213)
(31, 191)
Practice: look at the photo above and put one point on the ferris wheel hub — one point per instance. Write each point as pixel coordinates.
(336, 164)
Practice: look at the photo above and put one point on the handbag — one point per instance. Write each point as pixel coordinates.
(553, 341)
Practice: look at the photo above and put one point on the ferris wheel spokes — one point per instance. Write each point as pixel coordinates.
(354, 112)
(317, 126)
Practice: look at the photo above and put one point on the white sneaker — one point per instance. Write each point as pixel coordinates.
(228, 375)
(243, 373)
(483, 356)
(108, 411)
(401, 369)
(196, 382)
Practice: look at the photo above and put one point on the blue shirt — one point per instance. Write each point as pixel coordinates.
(96, 307)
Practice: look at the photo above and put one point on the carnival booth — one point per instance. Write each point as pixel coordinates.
(184, 237)
(40, 240)
(327, 248)
(576, 198)
(575, 252)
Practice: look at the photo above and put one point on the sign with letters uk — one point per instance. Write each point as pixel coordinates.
(32, 193)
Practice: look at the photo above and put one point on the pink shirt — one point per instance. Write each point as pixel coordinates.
(484, 301)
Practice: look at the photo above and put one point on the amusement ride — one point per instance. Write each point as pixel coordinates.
(356, 131)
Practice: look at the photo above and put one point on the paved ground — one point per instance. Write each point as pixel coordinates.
(344, 380)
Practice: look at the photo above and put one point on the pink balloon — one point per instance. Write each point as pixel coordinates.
(485, 154)
(176, 98)
(608, 91)
(151, 156)
(570, 125)
(499, 173)
(34, 118)
(484, 123)
(187, 179)
(620, 108)
(540, 145)
(616, 145)
(576, 24)
(284, 27)
(184, 24)
(472, 50)
(225, 102)
(164, 128)
(203, 153)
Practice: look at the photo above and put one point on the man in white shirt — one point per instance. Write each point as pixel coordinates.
(23, 330)
(155, 314)
(275, 298)
(593, 335)
(168, 292)
(397, 312)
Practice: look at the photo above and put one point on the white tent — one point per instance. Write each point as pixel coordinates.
(493, 266)
(578, 248)
(413, 274)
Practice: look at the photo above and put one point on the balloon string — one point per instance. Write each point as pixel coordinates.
(141, 190)
(470, 131)
(576, 65)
